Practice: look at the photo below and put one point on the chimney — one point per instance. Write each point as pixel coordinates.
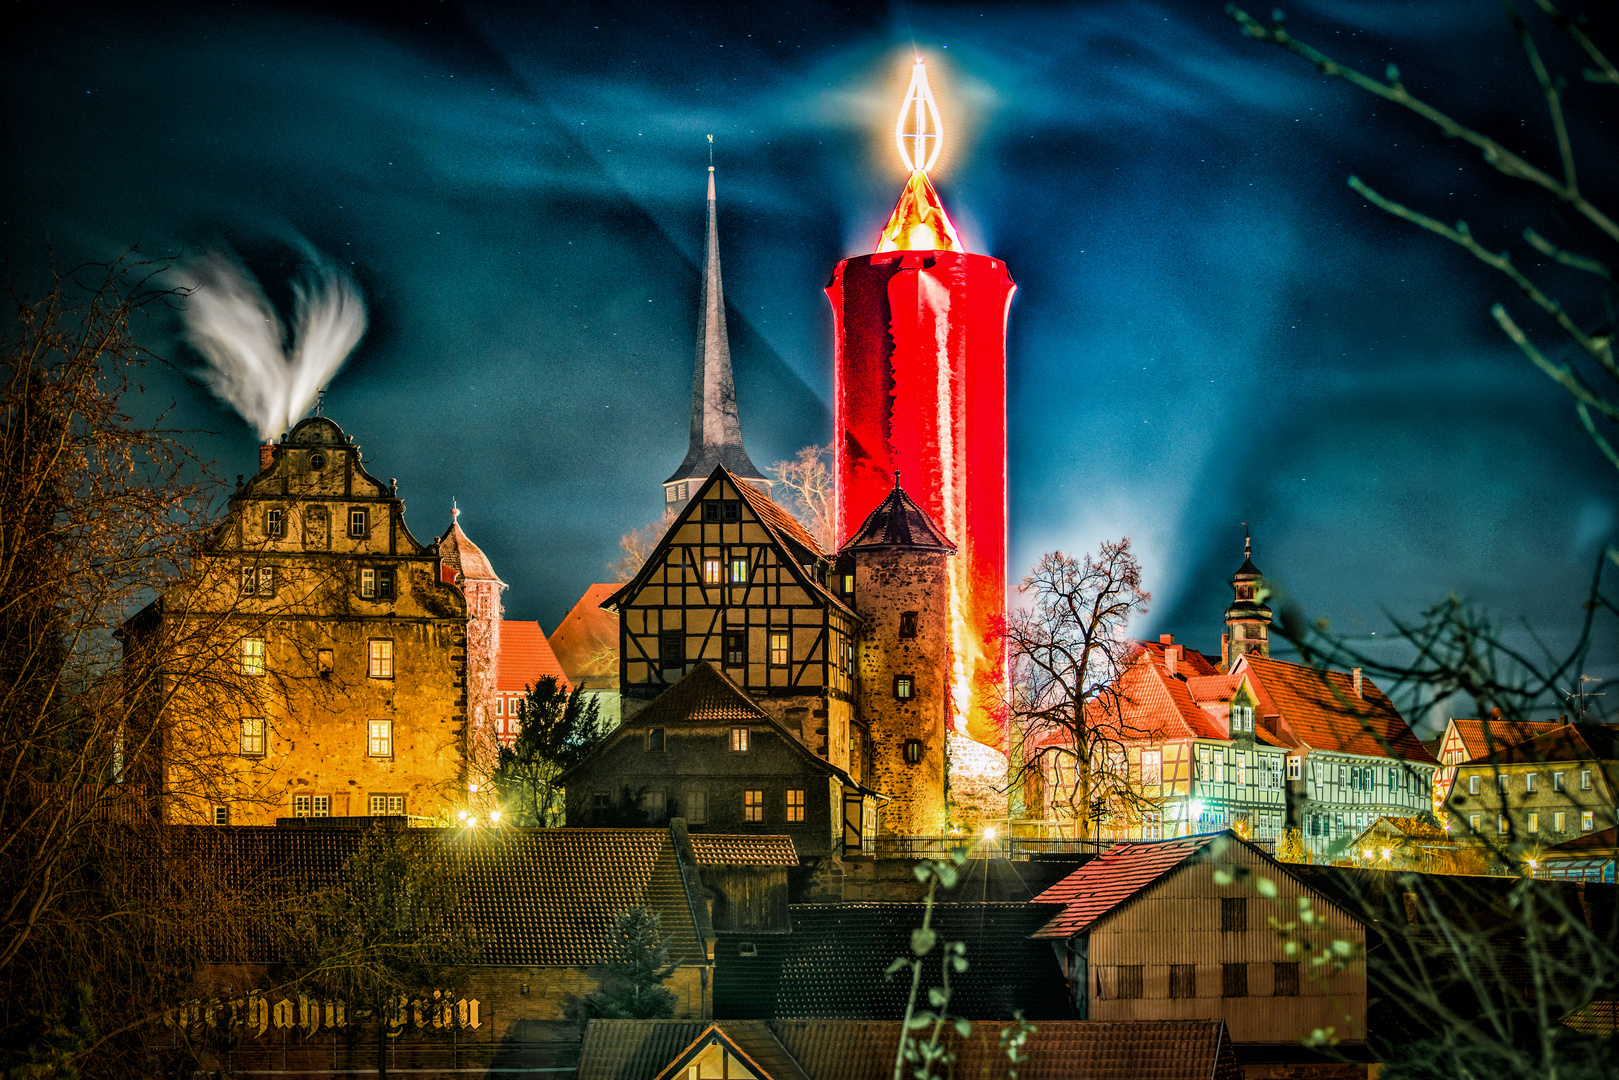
(1355, 674)
(1172, 658)
(266, 455)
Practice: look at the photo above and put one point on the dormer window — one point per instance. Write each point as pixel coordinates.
(1242, 719)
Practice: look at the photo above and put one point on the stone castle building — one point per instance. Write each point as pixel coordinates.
(355, 664)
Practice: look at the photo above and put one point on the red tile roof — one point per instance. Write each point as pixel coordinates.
(1320, 710)
(1564, 742)
(1160, 706)
(586, 640)
(1113, 878)
(1499, 734)
(525, 657)
(462, 555)
(773, 516)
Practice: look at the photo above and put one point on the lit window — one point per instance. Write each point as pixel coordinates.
(381, 665)
(387, 806)
(1534, 823)
(739, 569)
(795, 804)
(779, 648)
(1242, 768)
(739, 740)
(368, 583)
(1152, 766)
(711, 571)
(1588, 821)
(252, 656)
(1473, 821)
(380, 738)
(848, 584)
(1559, 820)
(904, 687)
(907, 624)
(753, 806)
(385, 584)
(1501, 823)
(221, 815)
(357, 523)
(275, 524)
(253, 736)
(736, 648)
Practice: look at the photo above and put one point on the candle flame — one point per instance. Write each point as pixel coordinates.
(919, 146)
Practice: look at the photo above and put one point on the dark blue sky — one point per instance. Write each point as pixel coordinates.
(1210, 327)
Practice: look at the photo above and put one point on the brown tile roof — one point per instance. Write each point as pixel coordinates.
(1060, 1049)
(1319, 709)
(1600, 841)
(773, 516)
(1482, 736)
(1113, 878)
(1414, 828)
(648, 1049)
(897, 522)
(1564, 742)
(534, 896)
(719, 849)
(586, 640)
(525, 657)
(462, 555)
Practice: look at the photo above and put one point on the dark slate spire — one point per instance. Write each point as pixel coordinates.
(897, 522)
(716, 433)
(1248, 617)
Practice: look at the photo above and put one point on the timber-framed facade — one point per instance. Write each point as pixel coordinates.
(737, 582)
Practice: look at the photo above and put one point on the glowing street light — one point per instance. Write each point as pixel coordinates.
(494, 817)
(989, 832)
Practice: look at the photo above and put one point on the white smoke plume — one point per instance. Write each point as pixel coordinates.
(231, 323)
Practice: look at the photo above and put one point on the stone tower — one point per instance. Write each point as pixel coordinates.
(716, 430)
(1247, 619)
(899, 562)
(465, 564)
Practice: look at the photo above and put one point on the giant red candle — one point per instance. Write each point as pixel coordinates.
(920, 388)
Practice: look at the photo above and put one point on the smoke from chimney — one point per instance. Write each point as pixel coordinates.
(232, 324)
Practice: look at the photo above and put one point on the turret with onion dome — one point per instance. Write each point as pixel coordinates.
(1248, 618)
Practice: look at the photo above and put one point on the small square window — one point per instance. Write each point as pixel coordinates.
(600, 804)
(380, 664)
(907, 624)
(711, 510)
(654, 740)
(368, 583)
(358, 521)
(1183, 980)
(253, 736)
(385, 584)
(275, 524)
(739, 740)
(221, 815)
(671, 650)
(1234, 980)
(1286, 980)
(904, 687)
(712, 572)
(795, 804)
(380, 738)
(733, 510)
(753, 806)
(736, 648)
(739, 569)
(780, 648)
(252, 656)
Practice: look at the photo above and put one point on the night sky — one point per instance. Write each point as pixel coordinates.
(1210, 327)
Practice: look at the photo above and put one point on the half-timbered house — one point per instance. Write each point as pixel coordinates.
(738, 582)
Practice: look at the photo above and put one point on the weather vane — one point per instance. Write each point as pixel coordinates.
(919, 146)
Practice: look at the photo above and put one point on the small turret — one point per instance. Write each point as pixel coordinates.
(1247, 619)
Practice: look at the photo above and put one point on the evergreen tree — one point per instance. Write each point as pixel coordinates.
(638, 970)
(556, 730)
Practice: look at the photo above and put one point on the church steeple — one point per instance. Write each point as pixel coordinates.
(716, 431)
(1248, 618)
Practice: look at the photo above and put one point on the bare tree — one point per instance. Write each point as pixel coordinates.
(105, 910)
(811, 493)
(1066, 651)
(637, 545)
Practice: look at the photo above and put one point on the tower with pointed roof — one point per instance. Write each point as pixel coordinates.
(895, 573)
(463, 563)
(716, 430)
(1247, 619)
